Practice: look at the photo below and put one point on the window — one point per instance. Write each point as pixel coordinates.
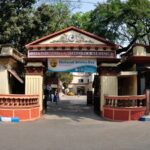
(88, 80)
(81, 80)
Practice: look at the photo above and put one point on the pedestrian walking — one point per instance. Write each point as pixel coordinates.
(56, 97)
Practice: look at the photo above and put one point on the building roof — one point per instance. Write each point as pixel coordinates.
(8, 51)
(37, 43)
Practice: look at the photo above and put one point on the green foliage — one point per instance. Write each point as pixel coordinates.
(66, 78)
(70, 94)
(21, 24)
(50, 18)
(81, 20)
(103, 20)
(14, 21)
(121, 22)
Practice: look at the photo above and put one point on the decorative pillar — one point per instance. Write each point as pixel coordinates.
(4, 80)
(147, 102)
(108, 82)
(34, 80)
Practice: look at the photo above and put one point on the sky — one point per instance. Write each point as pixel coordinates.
(81, 5)
(87, 5)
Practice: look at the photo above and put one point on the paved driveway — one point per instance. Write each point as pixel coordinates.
(77, 131)
(71, 108)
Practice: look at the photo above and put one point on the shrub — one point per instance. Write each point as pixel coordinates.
(70, 94)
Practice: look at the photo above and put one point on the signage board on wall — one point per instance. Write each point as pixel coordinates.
(71, 54)
(72, 65)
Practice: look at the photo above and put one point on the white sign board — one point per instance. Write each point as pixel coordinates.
(72, 65)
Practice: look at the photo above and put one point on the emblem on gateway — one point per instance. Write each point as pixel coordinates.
(71, 38)
(53, 63)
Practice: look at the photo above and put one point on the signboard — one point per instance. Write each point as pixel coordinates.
(72, 65)
(72, 54)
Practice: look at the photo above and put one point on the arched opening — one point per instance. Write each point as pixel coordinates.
(71, 101)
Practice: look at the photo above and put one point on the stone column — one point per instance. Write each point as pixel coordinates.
(34, 80)
(108, 82)
(4, 80)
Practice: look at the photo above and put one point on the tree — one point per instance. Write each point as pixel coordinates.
(66, 78)
(122, 22)
(50, 18)
(81, 20)
(14, 20)
(21, 24)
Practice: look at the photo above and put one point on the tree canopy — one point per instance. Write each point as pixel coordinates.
(122, 21)
(14, 21)
(20, 23)
(66, 78)
(81, 20)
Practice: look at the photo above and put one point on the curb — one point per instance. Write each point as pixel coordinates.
(9, 119)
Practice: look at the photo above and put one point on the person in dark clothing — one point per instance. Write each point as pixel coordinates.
(47, 97)
(56, 97)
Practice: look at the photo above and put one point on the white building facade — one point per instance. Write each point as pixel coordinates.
(81, 83)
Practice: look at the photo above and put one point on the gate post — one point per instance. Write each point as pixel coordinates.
(108, 81)
(34, 80)
(147, 102)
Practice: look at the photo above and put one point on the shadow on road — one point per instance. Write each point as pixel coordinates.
(72, 108)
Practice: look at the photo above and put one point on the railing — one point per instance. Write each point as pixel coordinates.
(18, 100)
(125, 101)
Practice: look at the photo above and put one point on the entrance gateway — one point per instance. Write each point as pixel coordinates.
(71, 50)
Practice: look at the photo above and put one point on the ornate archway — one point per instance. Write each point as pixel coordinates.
(67, 46)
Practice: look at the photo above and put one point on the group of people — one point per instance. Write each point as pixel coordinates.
(50, 95)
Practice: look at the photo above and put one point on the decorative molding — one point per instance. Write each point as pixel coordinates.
(70, 46)
(108, 71)
(64, 54)
(34, 70)
(72, 38)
